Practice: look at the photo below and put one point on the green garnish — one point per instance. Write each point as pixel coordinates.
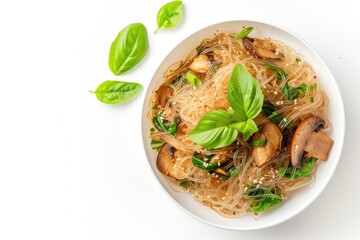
(160, 125)
(244, 33)
(193, 79)
(200, 163)
(184, 184)
(292, 93)
(294, 173)
(279, 73)
(258, 142)
(264, 198)
(213, 69)
(270, 112)
(297, 60)
(219, 128)
(156, 144)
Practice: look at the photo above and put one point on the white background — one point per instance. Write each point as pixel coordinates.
(74, 168)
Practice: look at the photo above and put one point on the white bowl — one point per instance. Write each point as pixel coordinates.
(300, 199)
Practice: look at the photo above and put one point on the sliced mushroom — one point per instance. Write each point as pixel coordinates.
(165, 161)
(307, 138)
(272, 134)
(262, 49)
(200, 64)
(163, 95)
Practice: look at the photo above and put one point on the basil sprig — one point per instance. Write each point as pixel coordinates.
(113, 92)
(169, 15)
(128, 49)
(219, 128)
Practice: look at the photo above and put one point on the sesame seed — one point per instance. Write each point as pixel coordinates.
(222, 198)
(245, 189)
(277, 103)
(257, 186)
(219, 164)
(275, 92)
(287, 64)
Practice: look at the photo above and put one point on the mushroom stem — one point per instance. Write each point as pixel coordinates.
(319, 145)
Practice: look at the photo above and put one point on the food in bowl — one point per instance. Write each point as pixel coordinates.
(239, 123)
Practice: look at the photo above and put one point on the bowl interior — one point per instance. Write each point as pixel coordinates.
(297, 201)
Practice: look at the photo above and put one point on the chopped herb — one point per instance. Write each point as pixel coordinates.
(294, 173)
(200, 163)
(213, 69)
(156, 144)
(292, 93)
(264, 198)
(313, 87)
(297, 60)
(159, 123)
(270, 112)
(312, 99)
(233, 171)
(155, 107)
(184, 184)
(193, 79)
(258, 142)
(244, 33)
(279, 73)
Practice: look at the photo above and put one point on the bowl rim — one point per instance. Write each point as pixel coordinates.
(341, 113)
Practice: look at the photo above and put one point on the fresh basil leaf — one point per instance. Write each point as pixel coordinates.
(264, 198)
(244, 94)
(294, 173)
(292, 93)
(247, 128)
(212, 130)
(258, 142)
(169, 15)
(128, 49)
(279, 73)
(113, 92)
(244, 33)
(193, 79)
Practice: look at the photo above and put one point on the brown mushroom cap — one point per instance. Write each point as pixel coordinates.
(166, 162)
(261, 49)
(307, 138)
(271, 132)
(163, 95)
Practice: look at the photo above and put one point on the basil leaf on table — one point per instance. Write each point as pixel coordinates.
(244, 33)
(113, 92)
(212, 130)
(169, 15)
(128, 49)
